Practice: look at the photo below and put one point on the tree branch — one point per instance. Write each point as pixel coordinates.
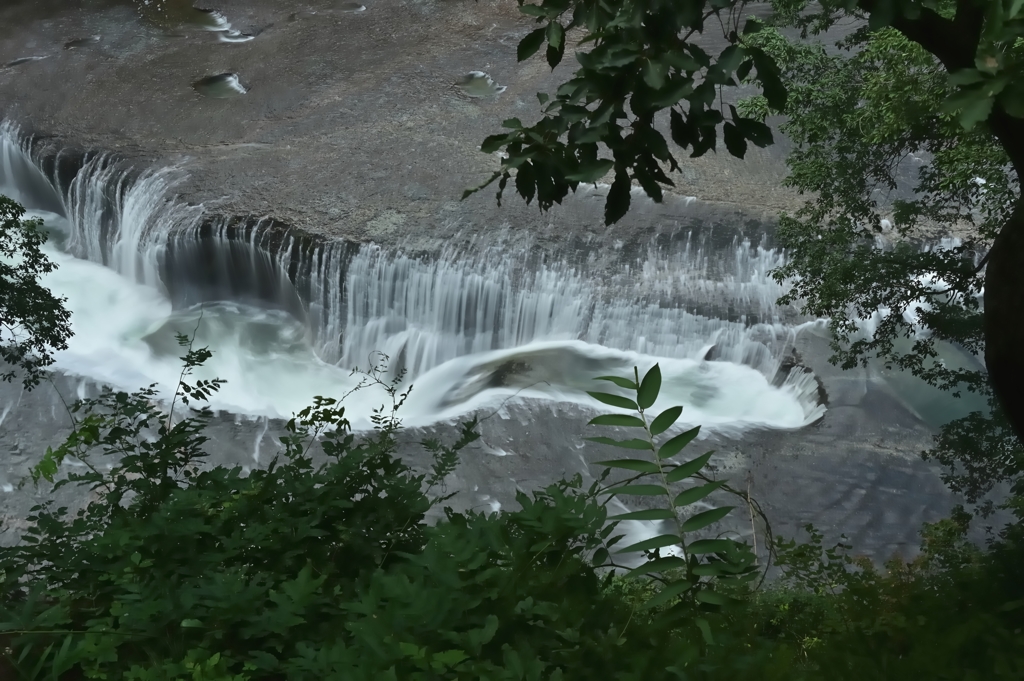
(953, 43)
(968, 21)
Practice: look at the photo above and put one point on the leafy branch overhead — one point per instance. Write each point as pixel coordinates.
(637, 65)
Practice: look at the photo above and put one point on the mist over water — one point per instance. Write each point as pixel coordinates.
(288, 322)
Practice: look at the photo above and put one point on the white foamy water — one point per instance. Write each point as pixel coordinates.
(471, 333)
(124, 337)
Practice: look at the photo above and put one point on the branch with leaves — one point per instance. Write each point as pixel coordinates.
(641, 67)
(706, 566)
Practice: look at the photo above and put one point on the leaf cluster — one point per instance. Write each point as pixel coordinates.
(854, 254)
(696, 574)
(33, 322)
(305, 569)
(636, 65)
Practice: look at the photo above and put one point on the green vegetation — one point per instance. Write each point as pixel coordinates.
(855, 117)
(33, 323)
(323, 566)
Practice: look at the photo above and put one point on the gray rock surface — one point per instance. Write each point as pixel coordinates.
(351, 125)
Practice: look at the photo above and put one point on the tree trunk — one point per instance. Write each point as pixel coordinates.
(1004, 318)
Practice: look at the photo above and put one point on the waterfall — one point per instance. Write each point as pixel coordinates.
(117, 219)
(290, 313)
(431, 311)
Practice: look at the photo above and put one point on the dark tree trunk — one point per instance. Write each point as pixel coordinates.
(1004, 318)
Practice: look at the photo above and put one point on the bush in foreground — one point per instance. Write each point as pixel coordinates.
(323, 567)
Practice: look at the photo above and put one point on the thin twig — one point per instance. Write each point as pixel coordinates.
(184, 369)
(753, 528)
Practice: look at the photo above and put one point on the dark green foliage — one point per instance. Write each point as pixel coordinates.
(322, 567)
(854, 118)
(951, 613)
(636, 66)
(303, 570)
(33, 322)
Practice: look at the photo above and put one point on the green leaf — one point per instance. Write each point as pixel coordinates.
(712, 597)
(771, 82)
(555, 34)
(533, 10)
(600, 557)
(450, 658)
(191, 624)
(617, 203)
(1012, 99)
(734, 140)
(975, 112)
(702, 520)
(526, 181)
(638, 490)
(663, 564)
(731, 57)
(965, 77)
(554, 54)
(676, 444)
(665, 419)
(683, 471)
(683, 132)
(649, 514)
(513, 123)
(634, 443)
(542, 97)
(882, 14)
(677, 88)
(705, 630)
(755, 131)
(694, 494)
(638, 465)
(743, 70)
(614, 400)
(681, 61)
(667, 593)
(702, 546)
(989, 63)
(492, 144)
(619, 381)
(711, 570)
(659, 542)
(655, 73)
(649, 388)
(623, 420)
(529, 45)
(591, 171)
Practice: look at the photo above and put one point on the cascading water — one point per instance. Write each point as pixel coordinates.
(430, 312)
(288, 316)
(116, 219)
